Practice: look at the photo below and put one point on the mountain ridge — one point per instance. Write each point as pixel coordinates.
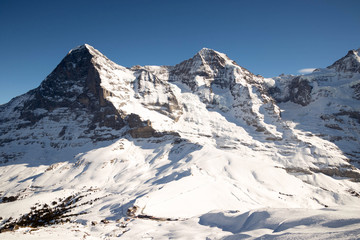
(350, 62)
(180, 144)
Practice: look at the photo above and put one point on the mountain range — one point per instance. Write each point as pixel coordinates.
(204, 149)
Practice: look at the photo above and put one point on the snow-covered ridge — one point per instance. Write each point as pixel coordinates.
(204, 146)
(81, 48)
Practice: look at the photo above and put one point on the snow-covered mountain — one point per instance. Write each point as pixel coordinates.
(327, 103)
(202, 149)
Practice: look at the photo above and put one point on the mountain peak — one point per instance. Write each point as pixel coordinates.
(74, 86)
(208, 54)
(85, 50)
(196, 144)
(83, 47)
(209, 57)
(206, 51)
(354, 54)
(348, 63)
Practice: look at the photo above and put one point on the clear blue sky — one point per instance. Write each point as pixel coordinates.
(266, 37)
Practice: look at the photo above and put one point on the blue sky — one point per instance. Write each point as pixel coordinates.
(266, 37)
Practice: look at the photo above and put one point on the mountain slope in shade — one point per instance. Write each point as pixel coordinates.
(203, 146)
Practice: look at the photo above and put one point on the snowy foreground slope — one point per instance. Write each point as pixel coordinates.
(200, 150)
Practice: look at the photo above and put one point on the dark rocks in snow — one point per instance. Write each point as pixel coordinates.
(149, 217)
(104, 221)
(9, 199)
(333, 126)
(131, 212)
(277, 94)
(333, 171)
(142, 128)
(356, 88)
(297, 170)
(44, 215)
(62, 132)
(297, 90)
(134, 121)
(352, 114)
(6, 157)
(138, 127)
(344, 171)
(142, 132)
(354, 193)
(300, 91)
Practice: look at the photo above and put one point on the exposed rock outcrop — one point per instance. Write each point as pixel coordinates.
(138, 127)
(71, 95)
(349, 63)
(300, 91)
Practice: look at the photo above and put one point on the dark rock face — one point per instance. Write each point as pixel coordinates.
(75, 84)
(348, 172)
(277, 94)
(134, 121)
(211, 66)
(349, 63)
(138, 127)
(70, 95)
(142, 128)
(206, 63)
(300, 91)
(356, 88)
(142, 132)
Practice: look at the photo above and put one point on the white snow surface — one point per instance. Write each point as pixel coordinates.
(237, 171)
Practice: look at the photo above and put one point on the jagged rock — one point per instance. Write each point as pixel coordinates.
(300, 91)
(349, 63)
(134, 121)
(139, 128)
(295, 89)
(75, 84)
(207, 64)
(72, 93)
(142, 132)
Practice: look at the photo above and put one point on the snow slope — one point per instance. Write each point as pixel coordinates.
(202, 149)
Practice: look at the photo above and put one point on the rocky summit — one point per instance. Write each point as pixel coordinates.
(200, 150)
